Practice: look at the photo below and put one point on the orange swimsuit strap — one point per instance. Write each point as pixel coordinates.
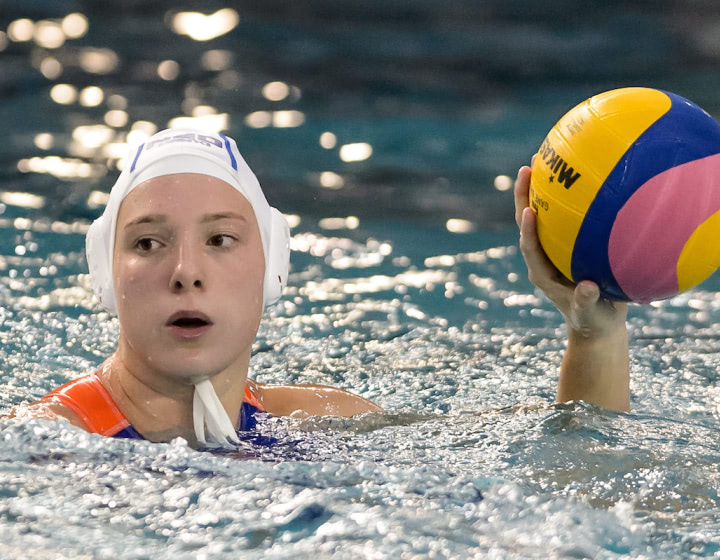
(88, 398)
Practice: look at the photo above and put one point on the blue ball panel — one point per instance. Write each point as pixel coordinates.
(683, 134)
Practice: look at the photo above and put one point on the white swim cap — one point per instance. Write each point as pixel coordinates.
(190, 151)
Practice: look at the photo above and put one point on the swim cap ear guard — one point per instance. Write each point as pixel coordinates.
(99, 263)
(278, 258)
(189, 151)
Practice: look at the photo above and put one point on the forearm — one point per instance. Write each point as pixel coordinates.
(597, 370)
(282, 400)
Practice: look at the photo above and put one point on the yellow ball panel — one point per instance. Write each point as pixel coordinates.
(577, 156)
(700, 256)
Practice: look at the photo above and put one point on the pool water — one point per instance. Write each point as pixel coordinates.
(406, 287)
(448, 343)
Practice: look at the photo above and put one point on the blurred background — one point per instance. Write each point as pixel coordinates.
(410, 111)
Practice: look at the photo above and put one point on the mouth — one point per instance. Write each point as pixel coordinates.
(189, 323)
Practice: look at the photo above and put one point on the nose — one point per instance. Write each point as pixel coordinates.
(187, 272)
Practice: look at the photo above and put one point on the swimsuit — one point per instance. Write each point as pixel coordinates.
(89, 399)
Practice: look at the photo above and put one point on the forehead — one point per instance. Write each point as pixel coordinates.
(183, 195)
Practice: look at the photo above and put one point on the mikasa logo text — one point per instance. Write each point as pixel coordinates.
(559, 168)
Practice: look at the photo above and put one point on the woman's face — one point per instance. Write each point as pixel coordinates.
(188, 271)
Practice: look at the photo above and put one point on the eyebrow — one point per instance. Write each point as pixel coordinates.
(207, 218)
(223, 216)
(147, 219)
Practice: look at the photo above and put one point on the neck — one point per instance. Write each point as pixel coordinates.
(160, 405)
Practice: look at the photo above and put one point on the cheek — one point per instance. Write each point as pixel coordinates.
(247, 289)
(130, 281)
(258, 275)
(248, 275)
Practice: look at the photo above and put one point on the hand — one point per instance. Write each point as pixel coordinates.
(585, 312)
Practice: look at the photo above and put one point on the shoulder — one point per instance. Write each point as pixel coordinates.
(44, 410)
(322, 400)
(67, 402)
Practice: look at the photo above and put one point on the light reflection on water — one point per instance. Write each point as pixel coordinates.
(97, 98)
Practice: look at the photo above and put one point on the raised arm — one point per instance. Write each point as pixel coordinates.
(595, 368)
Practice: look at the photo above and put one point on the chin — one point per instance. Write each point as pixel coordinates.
(188, 368)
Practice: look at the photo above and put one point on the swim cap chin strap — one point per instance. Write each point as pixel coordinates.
(208, 412)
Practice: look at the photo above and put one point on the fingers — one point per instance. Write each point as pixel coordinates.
(541, 271)
(583, 307)
(521, 191)
(528, 228)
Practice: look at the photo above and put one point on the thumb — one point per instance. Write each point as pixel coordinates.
(586, 294)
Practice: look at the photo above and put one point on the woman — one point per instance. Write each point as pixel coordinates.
(188, 253)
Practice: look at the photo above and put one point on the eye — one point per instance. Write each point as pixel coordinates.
(146, 244)
(221, 240)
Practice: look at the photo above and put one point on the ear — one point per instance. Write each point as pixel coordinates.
(278, 259)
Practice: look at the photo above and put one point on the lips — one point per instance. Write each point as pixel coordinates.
(189, 324)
